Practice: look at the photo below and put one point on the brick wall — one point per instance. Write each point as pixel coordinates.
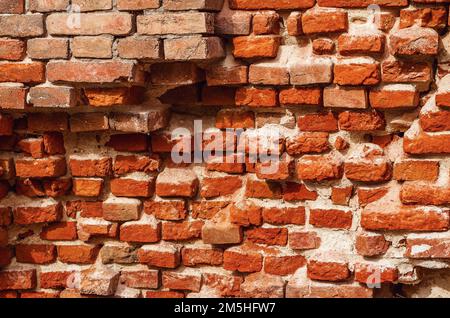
(352, 99)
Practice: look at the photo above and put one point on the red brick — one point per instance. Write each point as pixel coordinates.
(121, 209)
(404, 218)
(335, 219)
(341, 195)
(112, 23)
(130, 164)
(132, 5)
(304, 240)
(89, 72)
(307, 143)
(246, 214)
(6, 125)
(403, 71)
(256, 47)
(347, 72)
(298, 192)
(87, 209)
(328, 270)
(17, 279)
(397, 98)
(148, 279)
(254, 97)
(419, 247)
(175, 23)
(44, 49)
(283, 265)
(270, 4)
(268, 236)
(122, 142)
(361, 44)
(34, 214)
(64, 231)
(92, 46)
(183, 231)
(36, 254)
(323, 46)
(371, 244)
(49, 167)
(164, 256)
(140, 232)
(262, 189)
(427, 17)
(424, 193)
(55, 280)
(242, 261)
(49, 122)
(5, 216)
(361, 121)
(301, 96)
(176, 182)
(84, 187)
(15, 7)
(184, 280)
(375, 274)
(164, 294)
(318, 168)
(294, 24)
(414, 170)
(362, 3)
(125, 187)
(212, 187)
(21, 25)
(169, 210)
(88, 122)
(54, 143)
(326, 122)
(140, 48)
(78, 254)
(6, 253)
(117, 96)
(33, 72)
(321, 21)
(13, 50)
(194, 256)
(283, 216)
(414, 41)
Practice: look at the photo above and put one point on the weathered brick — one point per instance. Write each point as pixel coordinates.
(45, 49)
(13, 97)
(22, 26)
(11, 49)
(321, 21)
(271, 4)
(140, 48)
(53, 96)
(256, 47)
(92, 46)
(175, 23)
(87, 122)
(48, 5)
(40, 168)
(48, 212)
(33, 72)
(91, 72)
(17, 279)
(193, 48)
(89, 24)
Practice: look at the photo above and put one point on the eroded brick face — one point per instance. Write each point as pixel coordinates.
(353, 105)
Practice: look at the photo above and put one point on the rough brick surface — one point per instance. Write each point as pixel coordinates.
(224, 148)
